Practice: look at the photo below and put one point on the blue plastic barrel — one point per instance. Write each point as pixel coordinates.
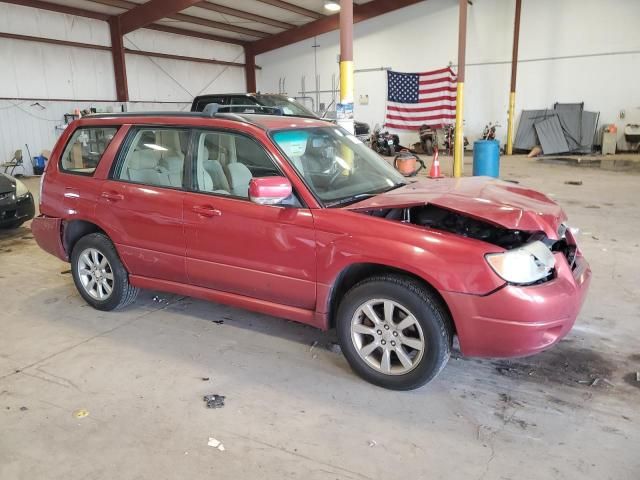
(486, 158)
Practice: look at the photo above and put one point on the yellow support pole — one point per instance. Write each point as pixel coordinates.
(514, 75)
(458, 151)
(458, 148)
(512, 112)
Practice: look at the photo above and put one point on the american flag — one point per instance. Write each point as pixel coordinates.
(415, 99)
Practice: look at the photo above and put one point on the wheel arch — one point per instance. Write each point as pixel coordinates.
(75, 229)
(356, 272)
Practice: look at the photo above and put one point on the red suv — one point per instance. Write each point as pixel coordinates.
(296, 218)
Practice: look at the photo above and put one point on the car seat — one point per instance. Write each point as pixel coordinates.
(143, 167)
(239, 178)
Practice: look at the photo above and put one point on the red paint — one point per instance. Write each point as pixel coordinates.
(285, 261)
(269, 187)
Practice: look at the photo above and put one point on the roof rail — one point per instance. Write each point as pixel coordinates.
(212, 109)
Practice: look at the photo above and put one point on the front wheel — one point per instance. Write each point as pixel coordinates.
(99, 275)
(394, 332)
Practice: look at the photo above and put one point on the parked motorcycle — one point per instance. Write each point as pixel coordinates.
(384, 143)
(428, 139)
(489, 132)
(450, 139)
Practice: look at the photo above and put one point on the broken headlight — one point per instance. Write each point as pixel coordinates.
(525, 265)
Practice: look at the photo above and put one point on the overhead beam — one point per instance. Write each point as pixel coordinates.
(192, 33)
(293, 8)
(56, 7)
(132, 7)
(328, 24)
(205, 22)
(128, 51)
(213, 7)
(144, 14)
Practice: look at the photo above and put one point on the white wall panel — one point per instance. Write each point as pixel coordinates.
(45, 71)
(424, 37)
(42, 23)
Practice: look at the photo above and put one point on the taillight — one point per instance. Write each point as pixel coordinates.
(41, 185)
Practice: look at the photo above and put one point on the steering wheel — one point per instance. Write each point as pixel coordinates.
(335, 177)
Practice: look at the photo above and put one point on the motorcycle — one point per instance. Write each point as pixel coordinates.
(384, 143)
(489, 132)
(428, 139)
(450, 139)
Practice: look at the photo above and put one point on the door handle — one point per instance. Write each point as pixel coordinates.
(206, 211)
(112, 196)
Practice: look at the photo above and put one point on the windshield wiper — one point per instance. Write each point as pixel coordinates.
(351, 199)
(361, 196)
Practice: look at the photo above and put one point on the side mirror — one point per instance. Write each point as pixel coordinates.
(269, 190)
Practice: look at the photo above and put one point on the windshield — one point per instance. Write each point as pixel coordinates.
(289, 106)
(337, 166)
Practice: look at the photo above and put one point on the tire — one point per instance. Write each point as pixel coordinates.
(121, 292)
(428, 146)
(432, 324)
(392, 150)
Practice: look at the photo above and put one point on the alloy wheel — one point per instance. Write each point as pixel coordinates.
(387, 336)
(95, 274)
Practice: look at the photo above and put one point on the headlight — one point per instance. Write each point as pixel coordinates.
(21, 189)
(523, 265)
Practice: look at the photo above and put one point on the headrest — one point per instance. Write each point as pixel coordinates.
(142, 159)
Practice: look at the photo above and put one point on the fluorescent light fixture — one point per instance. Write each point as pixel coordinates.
(332, 6)
(158, 148)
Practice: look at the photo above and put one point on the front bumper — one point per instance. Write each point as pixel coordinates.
(16, 210)
(516, 321)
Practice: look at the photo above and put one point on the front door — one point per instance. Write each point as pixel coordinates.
(142, 204)
(236, 246)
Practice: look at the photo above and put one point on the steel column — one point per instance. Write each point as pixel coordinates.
(514, 74)
(119, 65)
(346, 63)
(458, 152)
(250, 70)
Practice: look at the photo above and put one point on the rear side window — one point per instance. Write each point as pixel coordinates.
(85, 149)
(156, 157)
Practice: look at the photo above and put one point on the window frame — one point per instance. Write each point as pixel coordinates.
(127, 144)
(63, 170)
(193, 148)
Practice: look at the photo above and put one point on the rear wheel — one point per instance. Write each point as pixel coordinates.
(99, 275)
(394, 332)
(428, 146)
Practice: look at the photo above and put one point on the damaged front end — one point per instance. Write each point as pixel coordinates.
(527, 257)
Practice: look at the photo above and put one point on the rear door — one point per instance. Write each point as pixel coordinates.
(142, 202)
(236, 246)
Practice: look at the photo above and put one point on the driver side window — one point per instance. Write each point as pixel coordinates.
(226, 163)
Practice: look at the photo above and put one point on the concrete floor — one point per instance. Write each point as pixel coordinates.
(293, 411)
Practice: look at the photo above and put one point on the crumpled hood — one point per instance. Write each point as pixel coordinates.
(7, 183)
(501, 203)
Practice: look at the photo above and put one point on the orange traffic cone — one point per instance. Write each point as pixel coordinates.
(435, 167)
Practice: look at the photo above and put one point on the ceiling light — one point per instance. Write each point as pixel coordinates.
(332, 6)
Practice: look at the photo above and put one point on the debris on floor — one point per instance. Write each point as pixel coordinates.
(372, 443)
(65, 272)
(313, 345)
(159, 299)
(218, 322)
(216, 444)
(214, 400)
(205, 379)
(573, 182)
(24, 409)
(81, 413)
